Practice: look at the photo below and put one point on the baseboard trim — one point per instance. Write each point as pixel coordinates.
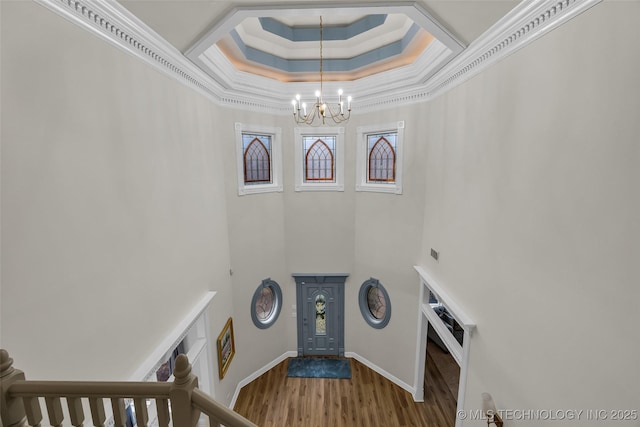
(259, 372)
(294, 353)
(397, 381)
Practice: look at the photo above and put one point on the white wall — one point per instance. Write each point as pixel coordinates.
(362, 234)
(388, 230)
(532, 200)
(119, 198)
(113, 208)
(256, 230)
(111, 180)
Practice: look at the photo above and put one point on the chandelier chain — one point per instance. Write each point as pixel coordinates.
(320, 111)
(321, 58)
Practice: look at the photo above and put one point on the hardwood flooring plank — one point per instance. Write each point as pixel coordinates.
(366, 400)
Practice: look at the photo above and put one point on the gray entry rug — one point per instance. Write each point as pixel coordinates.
(317, 367)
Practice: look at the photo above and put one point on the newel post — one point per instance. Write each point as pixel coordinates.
(183, 412)
(12, 412)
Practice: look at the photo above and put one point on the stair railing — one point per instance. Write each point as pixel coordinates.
(178, 404)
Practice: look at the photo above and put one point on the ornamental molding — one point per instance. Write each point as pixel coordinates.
(411, 84)
(527, 22)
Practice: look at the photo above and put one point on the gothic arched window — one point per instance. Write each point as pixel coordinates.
(379, 157)
(257, 159)
(382, 161)
(319, 160)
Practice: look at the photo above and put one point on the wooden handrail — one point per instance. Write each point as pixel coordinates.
(99, 389)
(217, 411)
(21, 408)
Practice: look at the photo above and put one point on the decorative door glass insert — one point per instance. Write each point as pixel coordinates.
(321, 318)
(257, 158)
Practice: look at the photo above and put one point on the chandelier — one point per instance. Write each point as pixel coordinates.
(320, 111)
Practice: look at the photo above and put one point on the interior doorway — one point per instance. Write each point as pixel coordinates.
(441, 381)
(320, 302)
(440, 312)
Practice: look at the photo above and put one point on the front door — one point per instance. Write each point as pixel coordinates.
(320, 314)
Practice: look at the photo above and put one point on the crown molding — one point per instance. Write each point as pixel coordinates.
(225, 86)
(113, 23)
(412, 9)
(527, 22)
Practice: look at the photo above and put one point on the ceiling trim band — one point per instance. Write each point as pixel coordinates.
(329, 64)
(336, 32)
(528, 21)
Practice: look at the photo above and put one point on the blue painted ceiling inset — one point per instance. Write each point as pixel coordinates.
(338, 32)
(330, 65)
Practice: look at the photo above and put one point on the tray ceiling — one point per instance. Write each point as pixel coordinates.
(354, 42)
(186, 40)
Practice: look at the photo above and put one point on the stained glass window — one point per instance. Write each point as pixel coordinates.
(381, 157)
(319, 158)
(266, 304)
(374, 303)
(321, 315)
(257, 158)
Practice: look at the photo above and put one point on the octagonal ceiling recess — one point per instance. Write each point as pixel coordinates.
(432, 73)
(359, 47)
(365, 48)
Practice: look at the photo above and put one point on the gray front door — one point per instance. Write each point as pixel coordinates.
(320, 314)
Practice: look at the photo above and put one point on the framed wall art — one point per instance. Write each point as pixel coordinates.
(226, 348)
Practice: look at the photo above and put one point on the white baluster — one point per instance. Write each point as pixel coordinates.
(97, 411)
(76, 412)
(54, 409)
(142, 415)
(33, 411)
(162, 406)
(119, 413)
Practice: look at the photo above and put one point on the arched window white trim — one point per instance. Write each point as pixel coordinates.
(275, 136)
(334, 133)
(363, 183)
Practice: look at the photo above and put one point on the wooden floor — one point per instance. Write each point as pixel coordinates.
(366, 400)
(447, 366)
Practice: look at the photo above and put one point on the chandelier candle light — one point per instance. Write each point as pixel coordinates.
(320, 110)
